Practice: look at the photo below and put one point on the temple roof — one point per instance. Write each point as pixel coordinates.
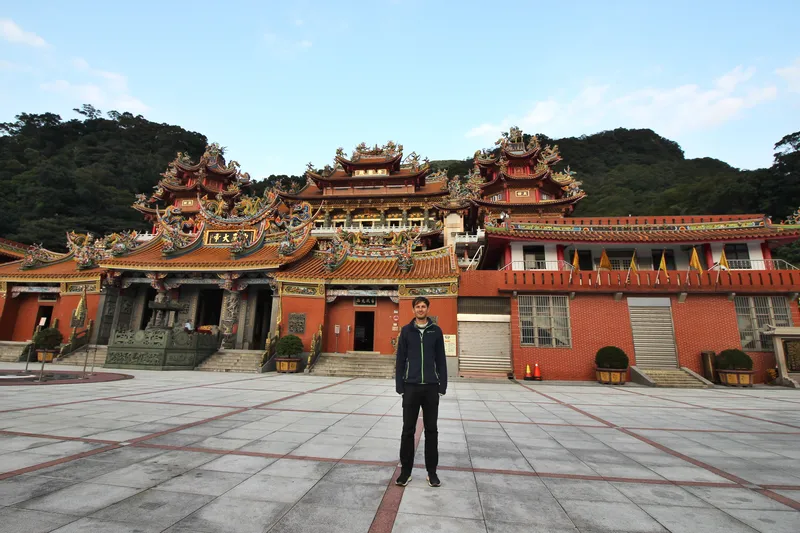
(205, 258)
(64, 269)
(438, 264)
(649, 229)
(313, 193)
(12, 248)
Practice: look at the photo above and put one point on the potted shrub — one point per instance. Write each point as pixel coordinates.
(47, 342)
(612, 365)
(288, 351)
(735, 368)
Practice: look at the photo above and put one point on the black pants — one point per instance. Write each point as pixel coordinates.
(414, 397)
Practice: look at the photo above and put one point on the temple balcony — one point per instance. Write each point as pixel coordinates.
(368, 230)
(731, 282)
(624, 265)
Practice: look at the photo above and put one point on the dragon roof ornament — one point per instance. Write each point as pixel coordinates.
(397, 245)
(88, 250)
(793, 219)
(36, 255)
(388, 150)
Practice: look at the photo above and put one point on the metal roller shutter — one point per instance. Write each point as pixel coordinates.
(653, 337)
(484, 347)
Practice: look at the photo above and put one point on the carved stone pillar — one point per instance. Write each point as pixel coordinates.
(425, 218)
(348, 219)
(327, 219)
(231, 302)
(405, 217)
(383, 217)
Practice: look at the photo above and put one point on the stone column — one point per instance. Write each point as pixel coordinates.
(327, 220)
(425, 217)
(231, 301)
(348, 219)
(383, 217)
(273, 316)
(139, 303)
(405, 217)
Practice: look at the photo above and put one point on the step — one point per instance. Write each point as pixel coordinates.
(672, 378)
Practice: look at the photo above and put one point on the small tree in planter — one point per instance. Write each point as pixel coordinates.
(735, 368)
(46, 342)
(288, 351)
(612, 365)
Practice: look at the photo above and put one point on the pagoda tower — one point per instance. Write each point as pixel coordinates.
(185, 184)
(520, 183)
(376, 190)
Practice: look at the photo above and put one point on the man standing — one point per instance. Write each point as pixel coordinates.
(421, 377)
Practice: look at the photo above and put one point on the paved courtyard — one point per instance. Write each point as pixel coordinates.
(205, 453)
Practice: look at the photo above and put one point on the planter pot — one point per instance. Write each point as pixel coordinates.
(48, 355)
(287, 364)
(736, 378)
(612, 376)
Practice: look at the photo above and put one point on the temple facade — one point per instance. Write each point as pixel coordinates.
(514, 278)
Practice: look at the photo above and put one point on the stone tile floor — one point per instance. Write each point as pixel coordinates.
(205, 453)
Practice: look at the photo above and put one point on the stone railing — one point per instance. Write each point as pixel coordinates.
(159, 349)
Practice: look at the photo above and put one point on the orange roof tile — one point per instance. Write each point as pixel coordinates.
(431, 264)
(649, 229)
(207, 258)
(10, 248)
(62, 270)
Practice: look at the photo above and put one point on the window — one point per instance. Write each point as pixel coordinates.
(544, 321)
(738, 256)
(584, 259)
(755, 312)
(669, 259)
(534, 258)
(545, 196)
(621, 259)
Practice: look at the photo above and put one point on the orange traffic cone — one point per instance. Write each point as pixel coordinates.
(528, 376)
(537, 374)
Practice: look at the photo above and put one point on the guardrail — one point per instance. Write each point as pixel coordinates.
(314, 350)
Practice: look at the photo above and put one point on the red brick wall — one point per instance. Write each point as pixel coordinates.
(19, 317)
(8, 316)
(596, 321)
(25, 322)
(704, 322)
(444, 309)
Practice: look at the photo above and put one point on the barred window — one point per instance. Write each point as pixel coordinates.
(544, 321)
(755, 312)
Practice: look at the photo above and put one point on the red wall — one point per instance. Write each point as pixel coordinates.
(702, 322)
(27, 309)
(596, 321)
(18, 316)
(314, 308)
(8, 316)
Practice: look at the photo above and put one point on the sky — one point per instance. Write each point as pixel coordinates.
(280, 84)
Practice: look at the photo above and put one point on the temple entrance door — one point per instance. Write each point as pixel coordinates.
(46, 312)
(209, 308)
(261, 322)
(364, 336)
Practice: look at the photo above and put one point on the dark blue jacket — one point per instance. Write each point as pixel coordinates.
(420, 357)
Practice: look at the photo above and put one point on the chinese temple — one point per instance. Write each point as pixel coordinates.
(514, 278)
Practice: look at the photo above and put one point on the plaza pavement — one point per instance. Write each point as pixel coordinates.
(206, 452)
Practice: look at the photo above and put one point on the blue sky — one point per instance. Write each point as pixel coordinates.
(282, 85)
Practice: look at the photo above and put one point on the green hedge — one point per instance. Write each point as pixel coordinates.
(289, 346)
(48, 339)
(611, 357)
(733, 360)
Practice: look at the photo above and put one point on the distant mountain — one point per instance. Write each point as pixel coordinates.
(82, 174)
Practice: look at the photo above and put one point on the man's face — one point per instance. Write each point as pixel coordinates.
(421, 310)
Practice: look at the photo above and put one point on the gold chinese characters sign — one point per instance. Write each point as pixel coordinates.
(214, 237)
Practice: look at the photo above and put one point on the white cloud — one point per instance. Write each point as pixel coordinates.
(670, 111)
(791, 75)
(108, 90)
(10, 66)
(11, 32)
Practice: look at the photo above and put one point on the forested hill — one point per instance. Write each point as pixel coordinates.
(82, 174)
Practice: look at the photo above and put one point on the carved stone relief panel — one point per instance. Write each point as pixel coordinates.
(297, 323)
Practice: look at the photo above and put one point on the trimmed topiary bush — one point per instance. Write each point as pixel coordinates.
(611, 357)
(733, 360)
(289, 346)
(47, 339)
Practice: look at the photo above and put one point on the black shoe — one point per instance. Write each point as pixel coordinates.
(403, 479)
(433, 480)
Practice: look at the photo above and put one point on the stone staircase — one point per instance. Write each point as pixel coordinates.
(10, 351)
(233, 361)
(77, 357)
(672, 378)
(355, 365)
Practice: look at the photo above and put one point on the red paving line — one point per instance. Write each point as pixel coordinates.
(390, 504)
(718, 409)
(48, 464)
(181, 403)
(225, 415)
(674, 453)
(125, 395)
(57, 437)
(780, 498)
(565, 404)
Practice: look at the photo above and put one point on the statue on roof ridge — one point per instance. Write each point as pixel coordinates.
(550, 155)
(533, 144)
(793, 219)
